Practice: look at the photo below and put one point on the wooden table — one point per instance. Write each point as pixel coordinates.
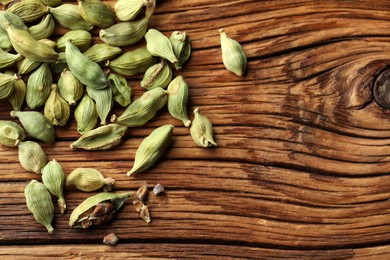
(301, 167)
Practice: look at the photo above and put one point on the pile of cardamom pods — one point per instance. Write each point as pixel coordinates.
(92, 78)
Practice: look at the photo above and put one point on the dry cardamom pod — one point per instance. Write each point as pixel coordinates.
(121, 89)
(8, 59)
(44, 29)
(181, 47)
(102, 52)
(97, 209)
(89, 179)
(101, 138)
(57, 110)
(132, 62)
(97, 13)
(127, 10)
(79, 38)
(233, 55)
(18, 95)
(103, 101)
(158, 75)
(201, 130)
(159, 45)
(38, 86)
(68, 16)
(86, 115)
(39, 202)
(15, 20)
(151, 149)
(53, 177)
(51, 2)
(28, 10)
(11, 134)
(26, 65)
(31, 156)
(177, 100)
(5, 43)
(70, 87)
(7, 83)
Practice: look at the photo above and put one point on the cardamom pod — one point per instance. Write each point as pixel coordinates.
(59, 66)
(18, 95)
(79, 38)
(89, 179)
(125, 33)
(159, 45)
(101, 138)
(39, 203)
(7, 83)
(44, 29)
(121, 89)
(36, 125)
(158, 75)
(15, 20)
(11, 134)
(31, 156)
(143, 109)
(103, 101)
(38, 86)
(181, 45)
(57, 110)
(127, 10)
(26, 65)
(132, 62)
(68, 16)
(8, 59)
(86, 115)
(177, 100)
(70, 87)
(5, 43)
(233, 55)
(201, 130)
(53, 177)
(28, 10)
(97, 209)
(151, 149)
(51, 2)
(97, 13)
(102, 52)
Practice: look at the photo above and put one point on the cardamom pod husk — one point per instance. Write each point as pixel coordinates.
(79, 38)
(102, 52)
(132, 62)
(28, 10)
(103, 101)
(158, 75)
(57, 110)
(70, 87)
(121, 89)
(38, 86)
(233, 55)
(202, 130)
(177, 100)
(31, 156)
(159, 45)
(181, 45)
(7, 83)
(89, 179)
(68, 16)
(97, 13)
(11, 134)
(5, 43)
(44, 29)
(53, 177)
(86, 115)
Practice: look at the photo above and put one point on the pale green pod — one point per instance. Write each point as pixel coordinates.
(31, 156)
(26, 65)
(233, 55)
(15, 20)
(79, 38)
(143, 109)
(70, 87)
(39, 203)
(103, 101)
(157, 76)
(159, 45)
(44, 29)
(36, 125)
(181, 45)
(11, 134)
(56, 109)
(38, 86)
(8, 59)
(68, 16)
(202, 130)
(125, 33)
(28, 10)
(102, 52)
(89, 179)
(59, 66)
(102, 138)
(7, 83)
(5, 43)
(51, 2)
(127, 10)
(86, 214)
(53, 177)
(121, 89)
(97, 13)
(132, 62)
(86, 115)
(16, 99)
(177, 100)
(49, 42)
(151, 149)
(88, 72)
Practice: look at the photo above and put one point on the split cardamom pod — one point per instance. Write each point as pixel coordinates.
(8, 59)
(97, 13)
(79, 38)
(31, 156)
(68, 16)
(181, 45)
(86, 115)
(202, 130)
(121, 89)
(18, 95)
(70, 87)
(177, 100)
(127, 10)
(44, 29)
(53, 177)
(158, 75)
(233, 55)
(89, 179)
(159, 45)
(7, 83)
(102, 52)
(132, 62)
(57, 110)
(38, 86)
(103, 101)
(11, 134)
(28, 10)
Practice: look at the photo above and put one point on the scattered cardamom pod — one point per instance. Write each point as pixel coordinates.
(177, 100)
(26, 65)
(201, 130)
(151, 149)
(68, 16)
(38, 86)
(11, 134)
(158, 75)
(121, 89)
(79, 38)
(159, 45)
(44, 29)
(103, 101)
(181, 47)
(97, 13)
(8, 59)
(102, 52)
(89, 179)
(7, 83)
(57, 110)
(127, 10)
(31, 156)
(53, 177)
(86, 115)
(28, 10)
(18, 95)
(132, 62)
(233, 54)
(70, 87)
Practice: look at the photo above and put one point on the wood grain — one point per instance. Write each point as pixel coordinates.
(301, 167)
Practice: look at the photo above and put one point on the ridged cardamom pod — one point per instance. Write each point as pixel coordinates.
(39, 203)
(8, 59)
(51, 2)
(68, 16)
(102, 52)
(11, 134)
(28, 10)
(143, 109)
(121, 89)
(125, 33)
(151, 149)
(89, 179)
(159, 45)
(202, 130)
(53, 177)
(158, 75)
(15, 20)
(70, 87)
(132, 62)
(44, 29)
(31, 156)
(7, 83)
(233, 55)
(38, 86)
(26, 65)
(57, 110)
(86, 115)
(18, 95)
(181, 44)
(36, 125)
(97, 209)
(127, 10)
(177, 100)
(79, 38)
(101, 138)
(88, 72)
(97, 13)
(103, 101)
(5, 43)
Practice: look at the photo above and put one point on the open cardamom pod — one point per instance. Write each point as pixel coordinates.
(53, 177)
(11, 134)
(31, 156)
(233, 55)
(177, 100)
(158, 75)
(57, 110)
(121, 89)
(89, 179)
(201, 130)
(86, 115)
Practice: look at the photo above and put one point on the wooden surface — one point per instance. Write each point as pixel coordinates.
(301, 170)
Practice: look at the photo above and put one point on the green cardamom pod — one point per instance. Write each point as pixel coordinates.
(97, 209)
(143, 109)
(68, 16)
(97, 13)
(102, 52)
(7, 84)
(159, 45)
(89, 179)
(151, 149)
(70, 87)
(57, 110)
(38, 86)
(127, 10)
(18, 95)
(36, 125)
(125, 33)
(233, 55)
(44, 29)
(8, 59)
(157, 76)
(177, 100)
(15, 20)
(79, 38)
(28, 10)
(181, 44)
(132, 62)
(59, 66)
(202, 130)
(88, 72)
(121, 89)
(86, 115)
(5, 43)
(26, 65)
(53, 177)
(103, 101)
(11, 134)
(101, 138)
(31, 156)
(51, 2)
(39, 203)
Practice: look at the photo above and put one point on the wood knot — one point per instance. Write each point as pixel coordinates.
(381, 90)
